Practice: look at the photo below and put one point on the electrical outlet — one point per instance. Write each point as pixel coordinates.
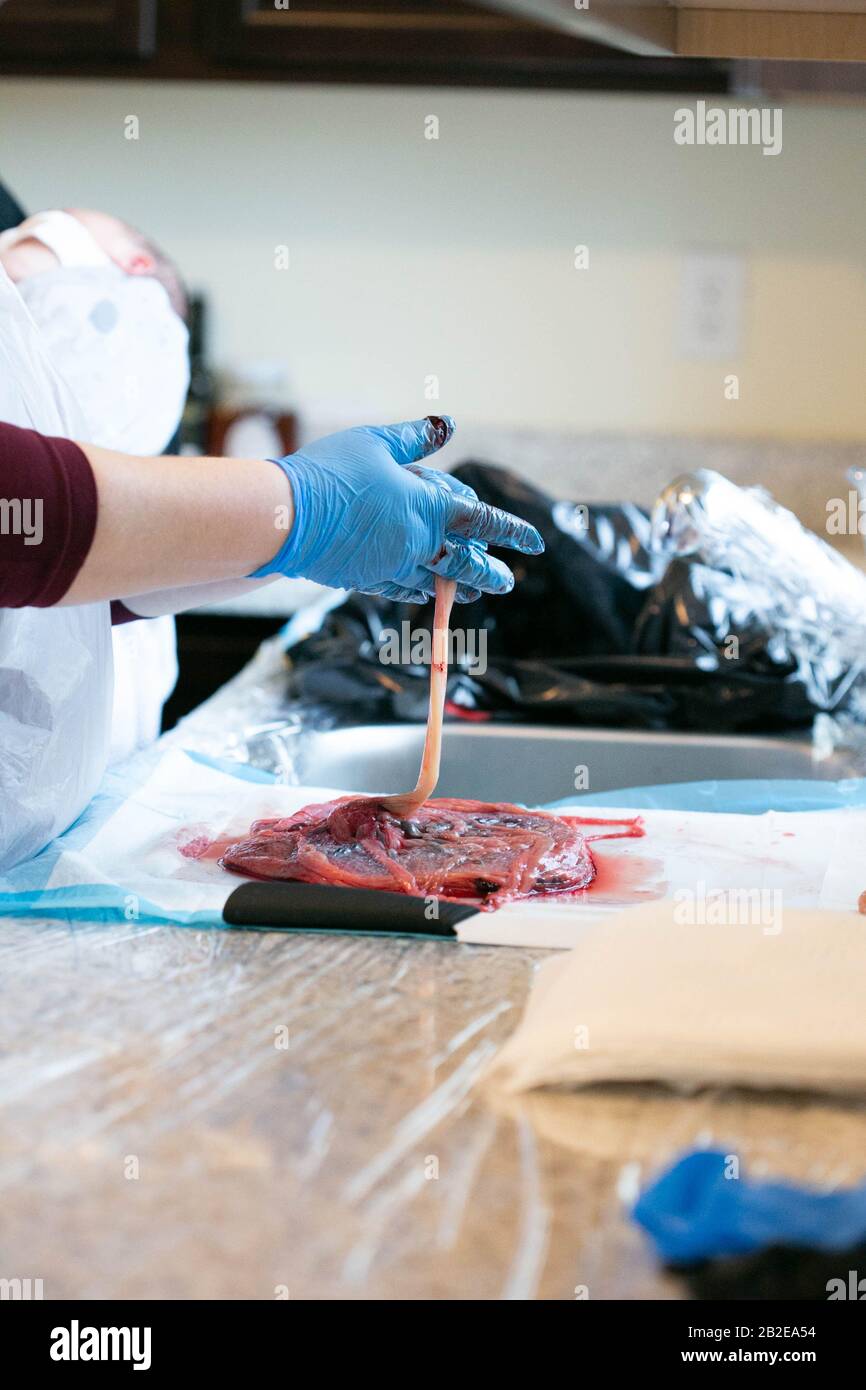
(712, 298)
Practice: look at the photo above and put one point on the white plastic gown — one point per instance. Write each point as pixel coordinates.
(55, 663)
(122, 350)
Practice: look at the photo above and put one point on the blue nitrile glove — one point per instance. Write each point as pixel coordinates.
(368, 516)
(696, 1211)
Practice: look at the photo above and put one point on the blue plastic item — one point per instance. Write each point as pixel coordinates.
(699, 1210)
(744, 797)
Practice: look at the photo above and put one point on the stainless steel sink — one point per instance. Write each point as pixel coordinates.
(535, 765)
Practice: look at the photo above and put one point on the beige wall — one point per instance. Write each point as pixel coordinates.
(454, 257)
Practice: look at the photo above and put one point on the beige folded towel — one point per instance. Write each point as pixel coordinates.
(645, 997)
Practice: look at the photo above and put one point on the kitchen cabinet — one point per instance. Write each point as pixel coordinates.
(798, 30)
(401, 40)
(103, 28)
(438, 42)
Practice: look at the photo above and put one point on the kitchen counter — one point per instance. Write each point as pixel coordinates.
(205, 1114)
(356, 1162)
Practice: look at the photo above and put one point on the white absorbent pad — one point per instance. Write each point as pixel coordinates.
(646, 996)
(123, 860)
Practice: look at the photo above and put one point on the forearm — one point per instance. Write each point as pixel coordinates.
(355, 510)
(169, 523)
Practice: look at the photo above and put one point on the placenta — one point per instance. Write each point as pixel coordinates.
(488, 853)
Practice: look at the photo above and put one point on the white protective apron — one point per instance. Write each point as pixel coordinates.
(55, 663)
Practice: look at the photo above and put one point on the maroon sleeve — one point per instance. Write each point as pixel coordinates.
(120, 614)
(48, 507)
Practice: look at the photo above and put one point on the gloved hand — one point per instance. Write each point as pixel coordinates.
(368, 516)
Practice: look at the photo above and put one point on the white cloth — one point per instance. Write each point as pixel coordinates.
(145, 674)
(122, 350)
(115, 337)
(647, 997)
(120, 347)
(55, 664)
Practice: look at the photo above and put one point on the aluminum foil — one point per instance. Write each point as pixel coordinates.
(758, 560)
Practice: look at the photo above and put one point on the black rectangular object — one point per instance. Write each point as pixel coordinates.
(323, 907)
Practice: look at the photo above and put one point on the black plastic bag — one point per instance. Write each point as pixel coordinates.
(599, 630)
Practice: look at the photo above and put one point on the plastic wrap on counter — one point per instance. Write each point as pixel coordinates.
(718, 614)
(251, 720)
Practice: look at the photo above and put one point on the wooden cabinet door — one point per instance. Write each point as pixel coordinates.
(441, 42)
(69, 28)
(392, 40)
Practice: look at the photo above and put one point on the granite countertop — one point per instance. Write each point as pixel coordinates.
(229, 1114)
(159, 1143)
